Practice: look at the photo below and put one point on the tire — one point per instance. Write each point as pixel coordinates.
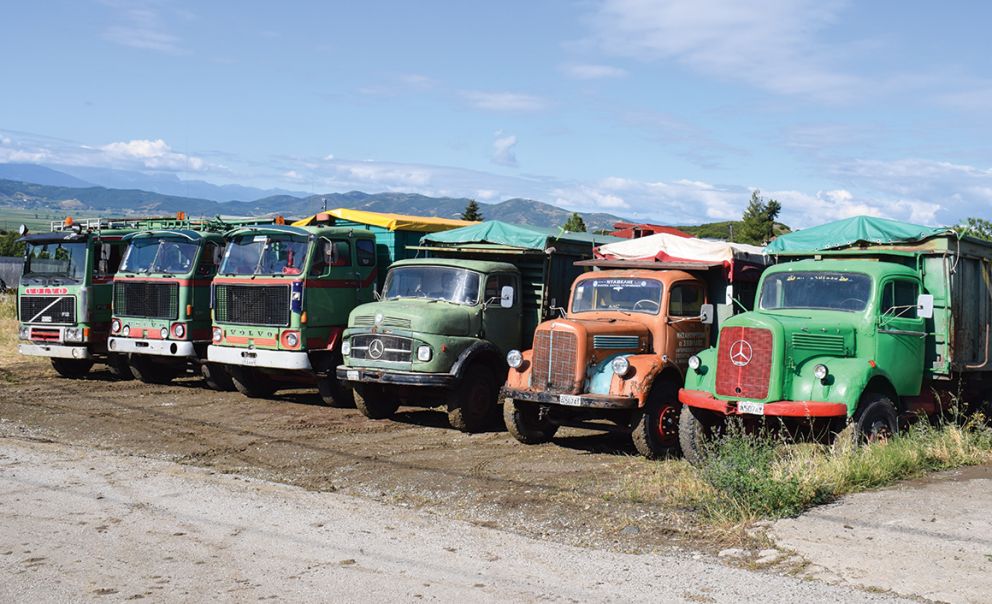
(694, 436)
(334, 393)
(150, 372)
(251, 382)
(375, 402)
(656, 434)
(472, 403)
(118, 366)
(876, 418)
(217, 377)
(72, 368)
(524, 423)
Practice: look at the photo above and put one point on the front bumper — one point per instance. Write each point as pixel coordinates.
(587, 401)
(389, 376)
(253, 357)
(799, 409)
(59, 351)
(165, 348)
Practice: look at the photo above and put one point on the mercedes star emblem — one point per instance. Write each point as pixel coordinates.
(740, 353)
(376, 348)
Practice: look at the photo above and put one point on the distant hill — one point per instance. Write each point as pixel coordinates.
(92, 199)
(724, 230)
(40, 175)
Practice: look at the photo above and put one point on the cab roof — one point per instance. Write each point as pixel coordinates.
(868, 266)
(480, 266)
(667, 276)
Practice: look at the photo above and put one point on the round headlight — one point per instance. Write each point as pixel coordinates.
(126, 331)
(378, 318)
(695, 363)
(821, 372)
(292, 339)
(621, 366)
(218, 334)
(164, 332)
(115, 325)
(179, 329)
(514, 359)
(346, 347)
(424, 353)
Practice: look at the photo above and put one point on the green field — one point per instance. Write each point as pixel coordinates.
(37, 220)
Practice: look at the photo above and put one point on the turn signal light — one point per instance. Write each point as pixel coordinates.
(189, 310)
(303, 317)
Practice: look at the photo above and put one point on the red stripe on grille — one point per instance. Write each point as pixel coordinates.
(744, 380)
(558, 352)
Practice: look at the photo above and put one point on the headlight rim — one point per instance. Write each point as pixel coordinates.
(821, 371)
(514, 358)
(621, 366)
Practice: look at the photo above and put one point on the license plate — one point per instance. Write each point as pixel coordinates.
(752, 408)
(572, 400)
(352, 375)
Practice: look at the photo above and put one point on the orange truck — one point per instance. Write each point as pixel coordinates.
(616, 358)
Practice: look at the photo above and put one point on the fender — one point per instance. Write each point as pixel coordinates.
(846, 383)
(519, 378)
(644, 369)
(473, 352)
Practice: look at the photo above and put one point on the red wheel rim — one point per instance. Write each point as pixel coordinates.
(668, 423)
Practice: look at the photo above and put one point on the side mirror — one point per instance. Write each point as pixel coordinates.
(924, 306)
(506, 296)
(22, 230)
(706, 314)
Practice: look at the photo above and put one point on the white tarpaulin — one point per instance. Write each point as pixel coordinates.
(673, 248)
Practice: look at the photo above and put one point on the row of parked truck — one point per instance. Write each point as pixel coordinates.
(863, 320)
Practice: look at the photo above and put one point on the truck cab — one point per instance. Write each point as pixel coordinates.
(439, 332)
(619, 353)
(64, 295)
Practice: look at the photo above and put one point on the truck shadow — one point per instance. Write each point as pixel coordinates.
(596, 442)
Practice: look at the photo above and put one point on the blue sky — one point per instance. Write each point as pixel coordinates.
(668, 111)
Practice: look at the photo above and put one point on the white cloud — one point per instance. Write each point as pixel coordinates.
(592, 72)
(141, 25)
(504, 101)
(504, 150)
(155, 154)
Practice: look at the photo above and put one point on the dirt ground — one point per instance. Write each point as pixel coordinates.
(579, 490)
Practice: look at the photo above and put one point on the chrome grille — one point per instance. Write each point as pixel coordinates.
(379, 347)
(369, 320)
(252, 304)
(48, 309)
(822, 343)
(554, 362)
(616, 342)
(146, 299)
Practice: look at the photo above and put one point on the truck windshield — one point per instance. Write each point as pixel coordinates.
(265, 255)
(816, 290)
(628, 295)
(56, 259)
(455, 285)
(174, 255)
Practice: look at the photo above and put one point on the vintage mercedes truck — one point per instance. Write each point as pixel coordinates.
(282, 295)
(442, 327)
(864, 320)
(64, 295)
(615, 360)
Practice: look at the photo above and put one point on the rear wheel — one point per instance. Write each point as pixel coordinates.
(472, 403)
(150, 372)
(335, 393)
(217, 377)
(72, 368)
(656, 434)
(118, 366)
(876, 419)
(523, 421)
(251, 382)
(375, 402)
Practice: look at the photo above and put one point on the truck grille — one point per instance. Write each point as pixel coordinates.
(616, 342)
(376, 347)
(146, 299)
(48, 309)
(554, 360)
(252, 304)
(822, 343)
(369, 320)
(744, 362)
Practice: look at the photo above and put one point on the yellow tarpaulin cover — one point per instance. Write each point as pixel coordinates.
(393, 222)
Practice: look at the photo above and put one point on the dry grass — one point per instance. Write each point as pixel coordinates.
(8, 336)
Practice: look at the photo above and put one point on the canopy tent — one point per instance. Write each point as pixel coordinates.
(392, 222)
(850, 231)
(495, 232)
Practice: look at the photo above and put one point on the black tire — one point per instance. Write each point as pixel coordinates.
(876, 418)
(375, 402)
(217, 377)
(119, 367)
(72, 368)
(251, 382)
(335, 393)
(523, 421)
(472, 403)
(694, 436)
(656, 434)
(150, 372)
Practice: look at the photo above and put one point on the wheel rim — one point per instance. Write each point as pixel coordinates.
(667, 425)
(879, 431)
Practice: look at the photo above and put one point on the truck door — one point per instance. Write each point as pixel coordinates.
(502, 325)
(901, 335)
(687, 335)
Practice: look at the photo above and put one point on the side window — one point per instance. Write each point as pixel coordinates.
(336, 253)
(365, 250)
(109, 258)
(899, 299)
(208, 259)
(685, 300)
(495, 285)
(492, 287)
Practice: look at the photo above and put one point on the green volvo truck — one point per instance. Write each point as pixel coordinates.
(282, 295)
(442, 327)
(64, 296)
(864, 320)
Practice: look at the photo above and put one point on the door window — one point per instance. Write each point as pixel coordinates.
(686, 300)
(495, 285)
(899, 299)
(365, 250)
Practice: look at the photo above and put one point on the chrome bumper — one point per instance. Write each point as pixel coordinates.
(253, 357)
(165, 348)
(58, 351)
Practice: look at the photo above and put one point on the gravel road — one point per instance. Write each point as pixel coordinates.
(82, 524)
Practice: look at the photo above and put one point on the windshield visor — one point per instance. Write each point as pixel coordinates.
(265, 255)
(171, 255)
(848, 292)
(454, 285)
(56, 259)
(626, 295)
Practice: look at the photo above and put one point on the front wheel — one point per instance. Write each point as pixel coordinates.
(150, 372)
(251, 382)
(334, 393)
(472, 403)
(375, 402)
(876, 419)
(118, 366)
(524, 422)
(217, 377)
(72, 368)
(656, 434)
(694, 435)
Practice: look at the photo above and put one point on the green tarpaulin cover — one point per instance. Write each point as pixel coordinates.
(529, 237)
(849, 231)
